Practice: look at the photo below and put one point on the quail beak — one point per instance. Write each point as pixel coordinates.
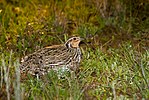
(81, 39)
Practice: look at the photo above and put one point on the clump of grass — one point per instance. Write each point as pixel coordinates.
(118, 74)
(52, 87)
(122, 73)
(16, 83)
(10, 79)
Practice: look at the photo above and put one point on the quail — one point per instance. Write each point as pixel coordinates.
(40, 62)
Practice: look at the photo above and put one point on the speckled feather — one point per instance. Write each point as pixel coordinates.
(53, 57)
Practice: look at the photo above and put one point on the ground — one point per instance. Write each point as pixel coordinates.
(115, 59)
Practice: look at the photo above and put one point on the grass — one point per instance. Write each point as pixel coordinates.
(115, 61)
(122, 74)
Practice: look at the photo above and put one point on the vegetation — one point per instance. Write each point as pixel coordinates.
(115, 61)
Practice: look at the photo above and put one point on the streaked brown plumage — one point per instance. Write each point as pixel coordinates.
(53, 57)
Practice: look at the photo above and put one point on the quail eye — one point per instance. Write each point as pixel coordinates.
(74, 38)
